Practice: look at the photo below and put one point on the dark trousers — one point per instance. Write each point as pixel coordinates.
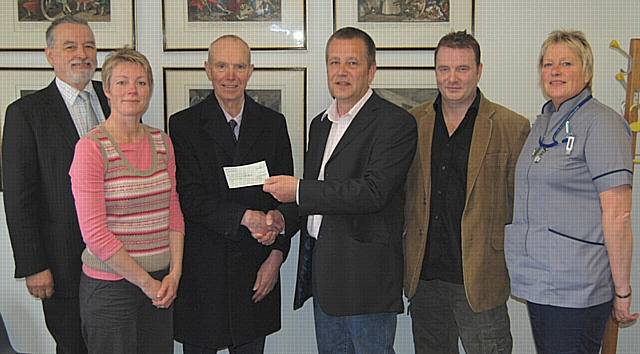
(561, 330)
(440, 314)
(62, 316)
(118, 318)
(254, 347)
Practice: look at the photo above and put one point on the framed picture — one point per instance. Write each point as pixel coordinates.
(407, 87)
(263, 24)
(25, 21)
(281, 89)
(405, 24)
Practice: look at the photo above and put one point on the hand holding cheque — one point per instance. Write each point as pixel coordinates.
(283, 188)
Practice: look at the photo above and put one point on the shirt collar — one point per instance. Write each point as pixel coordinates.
(70, 93)
(228, 116)
(334, 116)
(566, 106)
(472, 110)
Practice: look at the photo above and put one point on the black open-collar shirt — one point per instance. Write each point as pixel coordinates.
(449, 157)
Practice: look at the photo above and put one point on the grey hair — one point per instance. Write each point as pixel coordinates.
(60, 21)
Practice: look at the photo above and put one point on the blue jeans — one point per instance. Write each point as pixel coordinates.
(568, 330)
(357, 334)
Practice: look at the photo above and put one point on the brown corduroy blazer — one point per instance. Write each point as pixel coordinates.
(498, 136)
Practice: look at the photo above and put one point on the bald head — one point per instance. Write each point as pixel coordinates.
(227, 41)
(229, 70)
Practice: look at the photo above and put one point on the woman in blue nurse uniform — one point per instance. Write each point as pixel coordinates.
(569, 248)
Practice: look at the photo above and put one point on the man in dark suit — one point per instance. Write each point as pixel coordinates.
(229, 295)
(352, 196)
(40, 133)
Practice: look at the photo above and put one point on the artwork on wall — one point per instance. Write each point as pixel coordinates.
(405, 24)
(263, 24)
(234, 10)
(281, 89)
(403, 11)
(25, 21)
(49, 10)
(407, 87)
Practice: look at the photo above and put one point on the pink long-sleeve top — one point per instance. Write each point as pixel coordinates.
(87, 182)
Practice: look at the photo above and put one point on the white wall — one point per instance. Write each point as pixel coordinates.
(510, 34)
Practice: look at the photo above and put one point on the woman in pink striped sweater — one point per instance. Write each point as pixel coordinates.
(123, 181)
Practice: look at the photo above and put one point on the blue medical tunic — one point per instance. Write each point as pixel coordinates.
(555, 248)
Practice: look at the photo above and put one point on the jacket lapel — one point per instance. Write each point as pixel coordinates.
(251, 128)
(59, 113)
(214, 124)
(479, 143)
(318, 135)
(425, 128)
(104, 102)
(360, 122)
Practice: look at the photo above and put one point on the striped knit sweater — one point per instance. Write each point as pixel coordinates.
(137, 203)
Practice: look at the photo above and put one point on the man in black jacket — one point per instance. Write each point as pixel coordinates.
(229, 294)
(40, 133)
(351, 198)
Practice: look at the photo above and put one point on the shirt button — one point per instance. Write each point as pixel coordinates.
(443, 167)
(439, 192)
(436, 217)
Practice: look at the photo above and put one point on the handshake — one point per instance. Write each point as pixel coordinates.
(264, 227)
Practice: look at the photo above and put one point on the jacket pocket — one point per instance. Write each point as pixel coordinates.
(371, 229)
(558, 233)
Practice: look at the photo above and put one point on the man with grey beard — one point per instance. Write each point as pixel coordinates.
(40, 134)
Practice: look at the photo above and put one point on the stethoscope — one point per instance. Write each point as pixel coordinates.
(569, 138)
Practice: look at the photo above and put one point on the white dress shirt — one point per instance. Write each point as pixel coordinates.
(338, 128)
(70, 94)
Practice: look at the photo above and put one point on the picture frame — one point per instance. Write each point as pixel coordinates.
(405, 24)
(26, 21)
(263, 24)
(282, 89)
(406, 87)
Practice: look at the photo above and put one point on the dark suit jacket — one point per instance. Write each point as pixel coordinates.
(221, 259)
(37, 149)
(498, 136)
(357, 260)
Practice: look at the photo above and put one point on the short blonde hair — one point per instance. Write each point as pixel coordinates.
(577, 42)
(125, 55)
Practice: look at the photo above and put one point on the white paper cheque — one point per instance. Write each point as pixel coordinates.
(246, 175)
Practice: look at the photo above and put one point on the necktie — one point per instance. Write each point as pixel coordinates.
(87, 115)
(233, 124)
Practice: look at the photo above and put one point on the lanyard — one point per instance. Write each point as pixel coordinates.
(563, 123)
(542, 147)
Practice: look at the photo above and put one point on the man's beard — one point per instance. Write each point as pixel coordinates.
(82, 76)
